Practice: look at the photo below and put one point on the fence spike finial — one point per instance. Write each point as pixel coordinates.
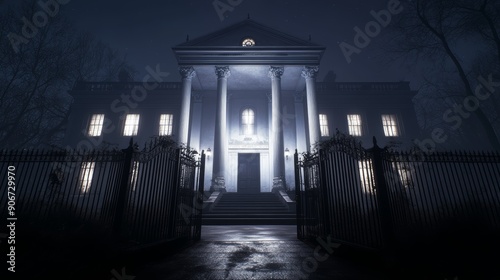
(131, 142)
(374, 141)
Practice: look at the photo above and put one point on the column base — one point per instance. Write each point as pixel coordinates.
(218, 184)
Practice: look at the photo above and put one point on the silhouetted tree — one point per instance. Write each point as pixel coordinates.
(36, 74)
(124, 76)
(330, 77)
(454, 36)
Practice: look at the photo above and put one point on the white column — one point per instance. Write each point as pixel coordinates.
(278, 156)
(300, 126)
(309, 73)
(220, 141)
(187, 74)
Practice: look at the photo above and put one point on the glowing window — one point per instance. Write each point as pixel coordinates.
(131, 125)
(404, 170)
(354, 124)
(86, 174)
(248, 122)
(95, 125)
(390, 124)
(248, 42)
(366, 176)
(166, 124)
(323, 125)
(134, 175)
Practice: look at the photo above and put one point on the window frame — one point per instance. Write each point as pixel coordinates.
(242, 124)
(87, 170)
(134, 130)
(169, 125)
(392, 128)
(366, 176)
(134, 176)
(357, 127)
(324, 126)
(94, 128)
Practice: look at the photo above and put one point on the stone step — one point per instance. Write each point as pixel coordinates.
(248, 212)
(249, 209)
(252, 215)
(249, 221)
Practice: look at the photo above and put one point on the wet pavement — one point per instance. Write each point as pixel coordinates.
(252, 252)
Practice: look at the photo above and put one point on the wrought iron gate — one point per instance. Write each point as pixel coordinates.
(140, 196)
(372, 198)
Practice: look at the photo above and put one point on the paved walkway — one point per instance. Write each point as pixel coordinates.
(251, 252)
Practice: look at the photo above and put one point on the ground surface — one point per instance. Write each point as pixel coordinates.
(251, 252)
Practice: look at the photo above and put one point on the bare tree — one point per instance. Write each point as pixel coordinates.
(452, 36)
(37, 73)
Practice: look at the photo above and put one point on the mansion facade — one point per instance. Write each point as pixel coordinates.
(249, 97)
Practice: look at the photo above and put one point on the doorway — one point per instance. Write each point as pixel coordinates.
(248, 173)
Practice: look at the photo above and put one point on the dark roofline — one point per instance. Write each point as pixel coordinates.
(109, 86)
(357, 86)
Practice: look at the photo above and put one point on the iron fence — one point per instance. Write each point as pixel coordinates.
(373, 198)
(136, 195)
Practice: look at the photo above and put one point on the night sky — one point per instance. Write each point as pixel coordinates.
(146, 31)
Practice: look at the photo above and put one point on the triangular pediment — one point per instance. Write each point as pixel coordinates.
(272, 47)
(235, 34)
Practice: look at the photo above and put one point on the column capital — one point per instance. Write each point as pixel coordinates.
(276, 71)
(222, 72)
(309, 72)
(187, 72)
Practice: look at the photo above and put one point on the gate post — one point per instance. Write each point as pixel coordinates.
(323, 192)
(201, 183)
(174, 193)
(199, 199)
(123, 188)
(298, 199)
(383, 200)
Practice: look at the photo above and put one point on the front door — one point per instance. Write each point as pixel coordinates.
(248, 173)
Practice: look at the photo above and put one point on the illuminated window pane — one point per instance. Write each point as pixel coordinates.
(366, 176)
(95, 125)
(389, 122)
(86, 174)
(248, 122)
(131, 125)
(405, 173)
(323, 125)
(135, 174)
(166, 124)
(354, 123)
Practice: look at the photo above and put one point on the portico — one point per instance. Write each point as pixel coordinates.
(248, 84)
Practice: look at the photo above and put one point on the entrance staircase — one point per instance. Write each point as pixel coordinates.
(249, 209)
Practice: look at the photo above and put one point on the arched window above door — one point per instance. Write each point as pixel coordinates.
(248, 122)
